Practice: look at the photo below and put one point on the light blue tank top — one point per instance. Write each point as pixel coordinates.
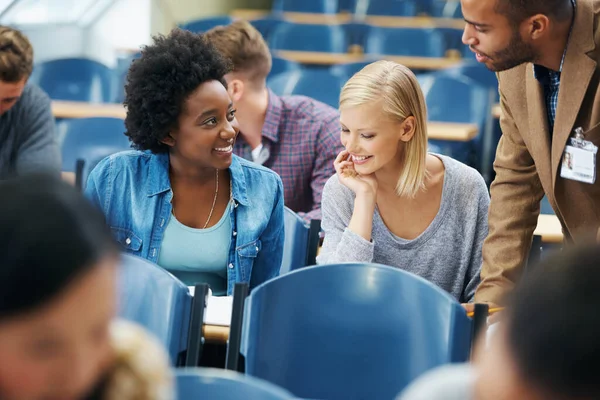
(198, 255)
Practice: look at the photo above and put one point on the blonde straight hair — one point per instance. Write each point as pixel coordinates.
(402, 97)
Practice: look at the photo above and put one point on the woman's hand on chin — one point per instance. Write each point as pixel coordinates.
(347, 175)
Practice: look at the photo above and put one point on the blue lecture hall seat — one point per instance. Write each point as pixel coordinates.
(459, 99)
(306, 6)
(75, 79)
(309, 37)
(347, 70)
(350, 331)
(280, 65)
(155, 299)
(321, 85)
(265, 26)
(204, 24)
(389, 8)
(301, 242)
(90, 140)
(418, 42)
(218, 384)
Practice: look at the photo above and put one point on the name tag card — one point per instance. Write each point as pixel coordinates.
(579, 161)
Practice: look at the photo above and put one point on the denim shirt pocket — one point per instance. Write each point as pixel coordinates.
(128, 240)
(247, 253)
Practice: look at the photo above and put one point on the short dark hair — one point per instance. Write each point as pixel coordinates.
(49, 235)
(554, 325)
(159, 82)
(516, 11)
(16, 55)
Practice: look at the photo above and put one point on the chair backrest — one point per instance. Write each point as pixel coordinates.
(120, 75)
(204, 24)
(350, 331)
(418, 42)
(280, 65)
(306, 6)
(265, 26)
(477, 72)
(460, 99)
(321, 85)
(75, 79)
(309, 37)
(90, 139)
(155, 299)
(390, 8)
(212, 383)
(347, 70)
(295, 245)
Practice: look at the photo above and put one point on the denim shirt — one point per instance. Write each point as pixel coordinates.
(133, 190)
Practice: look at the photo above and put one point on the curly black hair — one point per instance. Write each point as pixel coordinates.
(159, 82)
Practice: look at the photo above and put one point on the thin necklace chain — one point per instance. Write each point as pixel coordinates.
(214, 200)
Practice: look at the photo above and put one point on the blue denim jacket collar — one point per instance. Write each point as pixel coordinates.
(159, 181)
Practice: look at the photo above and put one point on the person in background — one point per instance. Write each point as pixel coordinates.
(546, 343)
(295, 136)
(183, 200)
(28, 141)
(58, 335)
(391, 202)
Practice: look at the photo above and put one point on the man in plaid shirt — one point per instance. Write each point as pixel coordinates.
(296, 136)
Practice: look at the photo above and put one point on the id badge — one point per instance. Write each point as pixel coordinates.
(579, 161)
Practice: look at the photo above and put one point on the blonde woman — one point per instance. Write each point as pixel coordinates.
(391, 202)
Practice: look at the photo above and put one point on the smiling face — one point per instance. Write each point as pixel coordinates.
(373, 139)
(496, 42)
(207, 128)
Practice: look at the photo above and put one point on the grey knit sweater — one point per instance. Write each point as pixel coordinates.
(447, 253)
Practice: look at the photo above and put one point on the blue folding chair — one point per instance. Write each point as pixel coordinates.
(75, 79)
(301, 242)
(348, 70)
(212, 383)
(265, 26)
(90, 140)
(459, 99)
(120, 76)
(309, 37)
(418, 42)
(444, 9)
(352, 331)
(155, 299)
(388, 8)
(280, 65)
(477, 72)
(306, 6)
(321, 85)
(204, 24)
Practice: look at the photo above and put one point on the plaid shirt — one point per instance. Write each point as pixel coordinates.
(302, 137)
(550, 80)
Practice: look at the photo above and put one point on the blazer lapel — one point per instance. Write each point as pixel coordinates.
(575, 77)
(538, 127)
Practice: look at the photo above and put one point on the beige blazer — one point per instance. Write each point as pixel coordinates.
(528, 157)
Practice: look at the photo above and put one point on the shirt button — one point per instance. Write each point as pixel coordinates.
(235, 204)
(230, 266)
(234, 233)
(127, 241)
(257, 249)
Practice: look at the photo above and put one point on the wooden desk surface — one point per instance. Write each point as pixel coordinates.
(549, 229)
(216, 333)
(451, 131)
(496, 111)
(341, 18)
(322, 58)
(76, 109)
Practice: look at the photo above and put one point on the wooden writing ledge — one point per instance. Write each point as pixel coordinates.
(497, 111)
(216, 333)
(79, 109)
(451, 131)
(549, 228)
(322, 58)
(341, 18)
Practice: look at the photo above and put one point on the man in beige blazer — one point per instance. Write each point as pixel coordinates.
(546, 53)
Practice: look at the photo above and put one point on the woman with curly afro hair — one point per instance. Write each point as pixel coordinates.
(182, 199)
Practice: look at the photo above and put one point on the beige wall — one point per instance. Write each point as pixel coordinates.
(167, 13)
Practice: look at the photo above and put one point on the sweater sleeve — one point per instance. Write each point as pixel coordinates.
(341, 244)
